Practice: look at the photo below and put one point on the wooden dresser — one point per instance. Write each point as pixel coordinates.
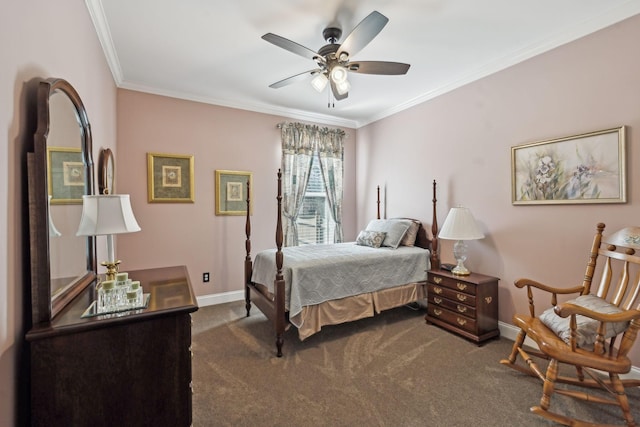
(127, 369)
(466, 305)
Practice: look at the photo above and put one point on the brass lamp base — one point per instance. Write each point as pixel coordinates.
(460, 270)
(112, 269)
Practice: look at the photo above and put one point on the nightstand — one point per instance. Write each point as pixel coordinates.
(466, 305)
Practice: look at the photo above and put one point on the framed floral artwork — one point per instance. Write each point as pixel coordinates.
(66, 173)
(231, 192)
(170, 178)
(586, 168)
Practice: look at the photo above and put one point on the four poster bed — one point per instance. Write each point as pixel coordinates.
(316, 285)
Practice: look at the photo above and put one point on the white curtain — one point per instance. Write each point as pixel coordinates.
(299, 144)
(331, 154)
(297, 155)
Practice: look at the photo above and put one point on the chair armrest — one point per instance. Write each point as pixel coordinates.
(567, 309)
(521, 283)
(551, 290)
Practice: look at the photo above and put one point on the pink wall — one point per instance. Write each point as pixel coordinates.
(463, 140)
(40, 39)
(190, 233)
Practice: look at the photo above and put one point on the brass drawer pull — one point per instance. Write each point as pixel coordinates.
(437, 280)
(437, 290)
(437, 300)
(461, 322)
(461, 286)
(437, 312)
(488, 300)
(461, 308)
(461, 297)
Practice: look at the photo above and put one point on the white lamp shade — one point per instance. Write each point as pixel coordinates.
(339, 74)
(319, 82)
(460, 225)
(343, 87)
(106, 214)
(53, 231)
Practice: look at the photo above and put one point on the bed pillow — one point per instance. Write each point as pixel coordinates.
(394, 229)
(373, 239)
(586, 327)
(410, 236)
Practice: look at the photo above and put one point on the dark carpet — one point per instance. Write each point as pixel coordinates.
(389, 370)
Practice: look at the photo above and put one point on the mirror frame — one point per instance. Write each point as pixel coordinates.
(44, 308)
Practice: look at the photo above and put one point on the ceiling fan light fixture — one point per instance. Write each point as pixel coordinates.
(339, 74)
(319, 82)
(343, 87)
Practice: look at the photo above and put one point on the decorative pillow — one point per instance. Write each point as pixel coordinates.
(410, 236)
(370, 238)
(587, 328)
(395, 230)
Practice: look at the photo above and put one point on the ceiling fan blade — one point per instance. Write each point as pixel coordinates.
(363, 33)
(379, 67)
(336, 94)
(289, 45)
(295, 79)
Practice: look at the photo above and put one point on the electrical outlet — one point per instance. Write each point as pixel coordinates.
(205, 277)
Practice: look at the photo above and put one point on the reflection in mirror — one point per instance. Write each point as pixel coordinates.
(66, 252)
(60, 172)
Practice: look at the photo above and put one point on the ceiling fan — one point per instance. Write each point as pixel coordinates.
(333, 60)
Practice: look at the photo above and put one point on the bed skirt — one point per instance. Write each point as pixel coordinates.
(313, 318)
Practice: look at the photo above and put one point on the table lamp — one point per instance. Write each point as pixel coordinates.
(460, 226)
(106, 215)
(53, 231)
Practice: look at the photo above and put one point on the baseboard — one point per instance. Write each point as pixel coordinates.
(511, 332)
(221, 298)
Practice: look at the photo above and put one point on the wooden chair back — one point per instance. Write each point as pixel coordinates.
(615, 257)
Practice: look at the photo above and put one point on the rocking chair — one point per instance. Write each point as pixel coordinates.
(584, 331)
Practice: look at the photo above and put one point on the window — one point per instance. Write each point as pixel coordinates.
(310, 153)
(315, 223)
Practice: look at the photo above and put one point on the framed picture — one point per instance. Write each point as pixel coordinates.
(231, 192)
(170, 178)
(587, 168)
(66, 175)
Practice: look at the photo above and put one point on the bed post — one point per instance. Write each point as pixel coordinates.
(378, 217)
(435, 251)
(248, 265)
(280, 317)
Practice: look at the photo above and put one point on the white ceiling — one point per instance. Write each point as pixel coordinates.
(211, 50)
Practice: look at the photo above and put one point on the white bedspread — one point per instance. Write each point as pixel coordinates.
(317, 273)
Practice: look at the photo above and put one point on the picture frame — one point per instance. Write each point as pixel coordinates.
(66, 175)
(170, 178)
(231, 192)
(585, 168)
(106, 172)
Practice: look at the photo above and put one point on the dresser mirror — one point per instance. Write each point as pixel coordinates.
(60, 172)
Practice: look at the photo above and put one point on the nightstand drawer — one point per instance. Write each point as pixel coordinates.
(457, 320)
(466, 305)
(454, 284)
(458, 297)
(456, 307)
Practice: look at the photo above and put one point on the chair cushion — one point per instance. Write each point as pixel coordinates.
(587, 328)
